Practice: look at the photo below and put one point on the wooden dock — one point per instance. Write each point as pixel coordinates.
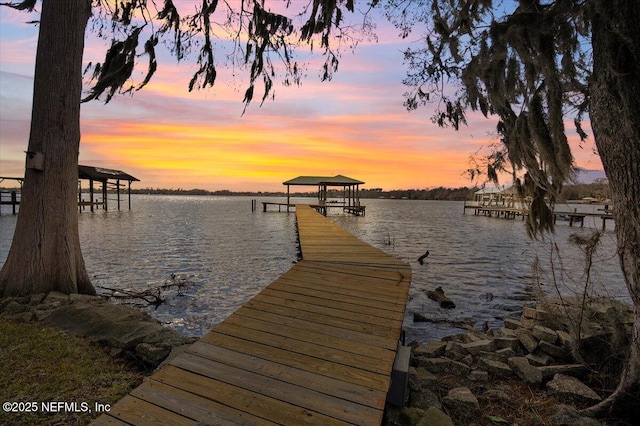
(513, 212)
(315, 347)
(320, 208)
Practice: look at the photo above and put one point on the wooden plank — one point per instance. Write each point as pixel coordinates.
(324, 384)
(315, 308)
(348, 288)
(333, 304)
(377, 274)
(362, 361)
(241, 399)
(297, 394)
(336, 294)
(194, 406)
(381, 331)
(374, 287)
(136, 412)
(302, 335)
(314, 326)
(310, 363)
(107, 420)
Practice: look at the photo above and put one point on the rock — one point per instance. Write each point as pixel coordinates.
(575, 370)
(152, 354)
(443, 365)
(432, 349)
(454, 351)
(557, 352)
(118, 326)
(454, 346)
(433, 365)
(40, 315)
(420, 378)
(534, 314)
(526, 371)
(503, 342)
(410, 416)
(435, 417)
(564, 338)
(460, 338)
(75, 297)
(36, 299)
(13, 308)
(544, 333)
(538, 358)
(573, 390)
(496, 368)
(474, 348)
(461, 399)
(569, 416)
(506, 353)
(468, 360)
(506, 332)
(494, 356)
(23, 317)
(527, 340)
(479, 376)
(424, 399)
(512, 324)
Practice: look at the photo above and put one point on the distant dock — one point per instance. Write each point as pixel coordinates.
(512, 212)
(315, 347)
(322, 208)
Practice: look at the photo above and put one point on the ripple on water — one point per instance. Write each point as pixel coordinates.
(228, 254)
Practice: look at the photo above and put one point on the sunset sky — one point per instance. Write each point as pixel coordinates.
(353, 125)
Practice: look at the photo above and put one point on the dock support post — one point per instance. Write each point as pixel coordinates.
(399, 377)
(288, 200)
(104, 195)
(14, 201)
(91, 193)
(118, 192)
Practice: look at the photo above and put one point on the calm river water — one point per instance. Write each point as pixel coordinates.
(227, 254)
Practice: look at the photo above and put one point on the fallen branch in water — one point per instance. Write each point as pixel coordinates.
(438, 296)
(423, 257)
(151, 296)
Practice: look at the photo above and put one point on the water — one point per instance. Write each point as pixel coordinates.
(227, 254)
(483, 264)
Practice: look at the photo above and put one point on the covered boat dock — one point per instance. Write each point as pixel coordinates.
(350, 202)
(110, 179)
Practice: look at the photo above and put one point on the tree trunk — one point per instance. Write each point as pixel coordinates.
(615, 119)
(45, 253)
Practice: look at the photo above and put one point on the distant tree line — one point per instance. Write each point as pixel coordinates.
(598, 189)
(439, 193)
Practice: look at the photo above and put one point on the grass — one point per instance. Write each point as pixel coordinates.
(39, 365)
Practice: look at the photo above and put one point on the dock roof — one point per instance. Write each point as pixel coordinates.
(338, 180)
(102, 174)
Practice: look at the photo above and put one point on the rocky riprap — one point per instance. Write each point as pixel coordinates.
(126, 331)
(460, 374)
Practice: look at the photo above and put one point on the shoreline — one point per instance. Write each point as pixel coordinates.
(516, 374)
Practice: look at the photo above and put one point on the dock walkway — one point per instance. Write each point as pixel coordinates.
(315, 347)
